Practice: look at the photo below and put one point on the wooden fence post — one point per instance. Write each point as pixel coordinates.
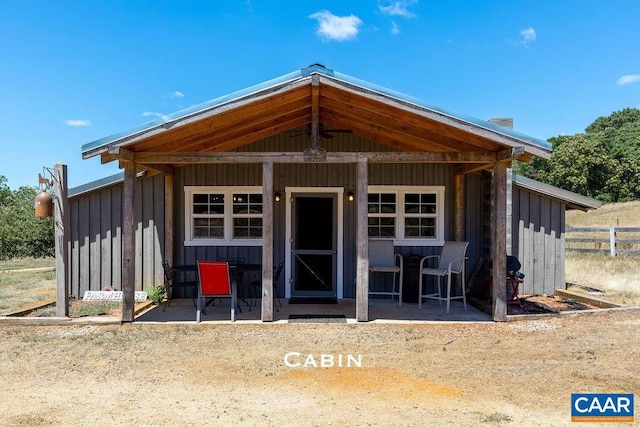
(612, 241)
(62, 233)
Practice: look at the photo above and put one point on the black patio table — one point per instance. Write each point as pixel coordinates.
(238, 271)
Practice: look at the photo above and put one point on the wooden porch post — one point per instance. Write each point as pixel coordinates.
(62, 231)
(499, 242)
(362, 242)
(459, 232)
(169, 195)
(129, 242)
(267, 242)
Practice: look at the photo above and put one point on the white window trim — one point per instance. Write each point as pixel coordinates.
(400, 191)
(228, 192)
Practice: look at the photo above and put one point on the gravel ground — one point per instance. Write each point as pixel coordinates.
(431, 374)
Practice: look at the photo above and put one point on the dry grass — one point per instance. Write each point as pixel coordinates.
(625, 214)
(20, 263)
(24, 290)
(619, 277)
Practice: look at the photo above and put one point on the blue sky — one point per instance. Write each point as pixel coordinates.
(72, 72)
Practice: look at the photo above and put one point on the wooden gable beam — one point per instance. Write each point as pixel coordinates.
(315, 112)
(152, 158)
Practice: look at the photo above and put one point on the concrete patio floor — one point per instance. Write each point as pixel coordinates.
(380, 310)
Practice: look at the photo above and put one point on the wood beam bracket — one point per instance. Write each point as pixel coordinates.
(126, 156)
(504, 156)
(510, 154)
(163, 169)
(122, 154)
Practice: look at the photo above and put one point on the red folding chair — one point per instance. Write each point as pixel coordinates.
(214, 282)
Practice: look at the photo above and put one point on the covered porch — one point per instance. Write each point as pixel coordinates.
(275, 139)
(380, 311)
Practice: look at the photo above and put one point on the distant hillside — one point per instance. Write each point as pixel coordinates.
(624, 214)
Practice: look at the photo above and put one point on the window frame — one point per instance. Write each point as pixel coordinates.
(400, 239)
(228, 192)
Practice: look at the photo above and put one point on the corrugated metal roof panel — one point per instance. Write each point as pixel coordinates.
(574, 200)
(98, 184)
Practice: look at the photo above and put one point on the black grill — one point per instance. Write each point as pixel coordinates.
(513, 268)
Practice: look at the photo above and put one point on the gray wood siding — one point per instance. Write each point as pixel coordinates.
(315, 175)
(96, 230)
(96, 237)
(538, 226)
(474, 223)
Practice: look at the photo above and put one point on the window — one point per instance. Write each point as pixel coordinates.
(223, 216)
(382, 214)
(408, 215)
(247, 216)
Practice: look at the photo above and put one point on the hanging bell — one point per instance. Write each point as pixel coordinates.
(44, 205)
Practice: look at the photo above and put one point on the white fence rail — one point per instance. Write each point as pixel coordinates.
(612, 240)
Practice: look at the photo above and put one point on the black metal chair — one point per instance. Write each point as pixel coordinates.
(170, 284)
(256, 285)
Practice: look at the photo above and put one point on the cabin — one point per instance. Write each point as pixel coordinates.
(305, 169)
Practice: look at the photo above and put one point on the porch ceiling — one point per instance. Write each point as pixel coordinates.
(316, 99)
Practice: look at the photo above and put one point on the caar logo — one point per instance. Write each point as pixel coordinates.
(602, 407)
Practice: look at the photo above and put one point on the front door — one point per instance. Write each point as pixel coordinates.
(313, 244)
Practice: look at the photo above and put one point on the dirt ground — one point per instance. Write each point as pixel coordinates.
(517, 373)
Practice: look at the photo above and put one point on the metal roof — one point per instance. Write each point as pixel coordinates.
(91, 186)
(574, 200)
(167, 121)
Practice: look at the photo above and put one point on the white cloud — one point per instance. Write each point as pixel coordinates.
(153, 114)
(332, 27)
(76, 123)
(396, 8)
(628, 79)
(177, 94)
(528, 35)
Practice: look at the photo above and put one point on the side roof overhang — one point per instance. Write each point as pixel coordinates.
(318, 94)
(572, 200)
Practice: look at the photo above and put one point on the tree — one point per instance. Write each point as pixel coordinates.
(22, 234)
(580, 164)
(603, 163)
(615, 121)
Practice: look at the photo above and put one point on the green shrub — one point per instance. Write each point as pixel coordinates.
(156, 294)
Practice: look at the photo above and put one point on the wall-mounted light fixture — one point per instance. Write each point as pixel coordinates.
(276, 196)
(350, 196)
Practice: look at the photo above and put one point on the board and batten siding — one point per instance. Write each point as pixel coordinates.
(538, 240)
(96, 237)
(96, 229)
(316, 175)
